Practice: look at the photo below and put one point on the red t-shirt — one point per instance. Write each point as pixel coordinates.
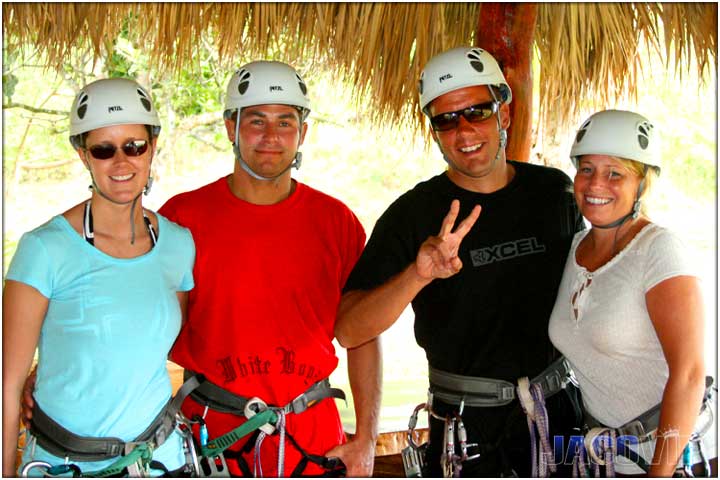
(268, 280)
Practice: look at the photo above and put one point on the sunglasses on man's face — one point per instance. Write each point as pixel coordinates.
(105, 151)
(476, 113)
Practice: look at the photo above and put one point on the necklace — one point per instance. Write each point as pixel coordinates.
(89, 234)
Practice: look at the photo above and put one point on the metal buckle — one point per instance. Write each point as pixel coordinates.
(209, 467)
(299, 404)
(636, 429)
(553, 383)
(413, 461)
(507, 393)
(137, 469)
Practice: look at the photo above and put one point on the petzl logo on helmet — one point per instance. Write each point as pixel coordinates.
(116, 108)
(276, 88)
(445, 77)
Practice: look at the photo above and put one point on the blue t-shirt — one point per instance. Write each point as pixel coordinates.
(109, 327)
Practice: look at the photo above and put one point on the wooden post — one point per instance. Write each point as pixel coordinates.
(507, 30)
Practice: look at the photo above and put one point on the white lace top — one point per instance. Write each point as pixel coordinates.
(601, 324)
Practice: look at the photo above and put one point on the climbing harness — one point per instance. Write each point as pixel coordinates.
(89, 234)
(133, 457)
(268, 419)
(462, 391)
(489, 392)
(602, 444)
(221, 400)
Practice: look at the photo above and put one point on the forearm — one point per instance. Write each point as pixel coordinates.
(363, 315)
(681, 403)
(365, 375)
(11, 427)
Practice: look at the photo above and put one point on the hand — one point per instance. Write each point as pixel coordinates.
(437, 257)
(28, 402)
(357, 454)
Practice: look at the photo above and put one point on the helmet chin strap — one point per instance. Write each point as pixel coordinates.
(634, 213)
(145, 190)
(297, 161)
(502, 132)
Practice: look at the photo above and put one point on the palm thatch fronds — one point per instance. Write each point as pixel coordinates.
(590, 53)
(586, 51)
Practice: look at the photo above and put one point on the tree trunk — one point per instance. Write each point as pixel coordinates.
(507, 30)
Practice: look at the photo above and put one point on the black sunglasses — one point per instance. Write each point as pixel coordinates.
(104, 151)
(476, 113)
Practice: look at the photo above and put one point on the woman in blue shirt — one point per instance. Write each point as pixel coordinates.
(100, 290)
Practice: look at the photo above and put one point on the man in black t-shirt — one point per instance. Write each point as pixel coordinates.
(483, 291)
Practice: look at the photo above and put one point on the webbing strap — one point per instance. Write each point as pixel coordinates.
(490, 392)
(644, 426)
(142, 453)
(63, 443)
(217, 446)
(222, 400)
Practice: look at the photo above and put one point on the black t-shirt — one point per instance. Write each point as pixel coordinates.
(490, 319)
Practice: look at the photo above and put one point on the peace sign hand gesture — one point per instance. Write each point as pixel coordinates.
(438, 256)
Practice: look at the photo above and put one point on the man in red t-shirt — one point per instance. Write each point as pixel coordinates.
(273, 256)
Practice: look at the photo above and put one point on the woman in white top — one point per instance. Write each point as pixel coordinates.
(629, 313)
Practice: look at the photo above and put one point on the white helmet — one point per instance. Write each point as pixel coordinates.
(459, 68)
(618, 133)
(111, 101)
(266, 83)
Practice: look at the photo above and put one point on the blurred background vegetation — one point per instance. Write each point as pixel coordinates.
(365, 165)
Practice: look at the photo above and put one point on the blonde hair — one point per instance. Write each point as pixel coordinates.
(645, 172)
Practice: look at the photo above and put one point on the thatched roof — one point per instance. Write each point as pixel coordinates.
(586, 51)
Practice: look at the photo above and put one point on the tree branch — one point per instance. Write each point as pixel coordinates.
(45, 166)
(34, 109)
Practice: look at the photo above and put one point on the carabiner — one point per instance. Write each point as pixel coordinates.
(462, 437)
(34, 464)
(412, 423)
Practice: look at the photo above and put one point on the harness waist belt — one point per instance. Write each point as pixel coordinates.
(490, 392)
(221, 400)
(643, 426)
(61, 442)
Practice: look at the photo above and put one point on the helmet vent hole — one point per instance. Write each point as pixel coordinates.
(82, 105)
(643, 141)
(144, 100)
(477, 65)
(580, 136)
(420, 85)
(474, 54)
(303, 87)
(244, 81)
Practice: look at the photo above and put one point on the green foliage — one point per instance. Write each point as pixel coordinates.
(125, 61)
(195, 92)
(9, 83)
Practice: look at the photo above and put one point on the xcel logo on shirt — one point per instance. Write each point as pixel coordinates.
(506, 251)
